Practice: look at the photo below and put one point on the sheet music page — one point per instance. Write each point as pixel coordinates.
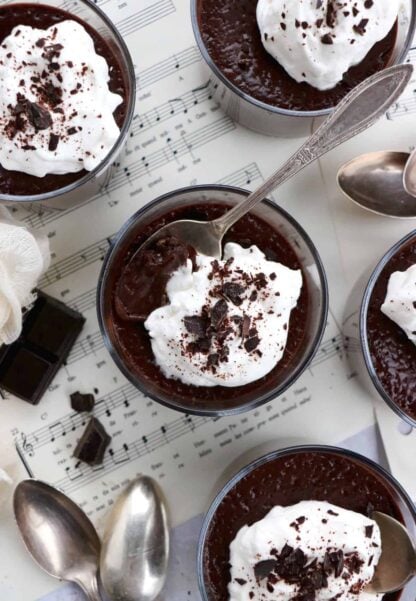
(180, 137)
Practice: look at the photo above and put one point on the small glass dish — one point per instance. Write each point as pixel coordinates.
(210, 402)
(273, 120)
(255, 489)
(94, 181)
(409, 239)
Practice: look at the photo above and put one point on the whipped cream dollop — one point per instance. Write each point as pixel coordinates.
(24, 257)
(312, 550)
(400, 302)
(56, 110)
(317, 41)
(227, 321)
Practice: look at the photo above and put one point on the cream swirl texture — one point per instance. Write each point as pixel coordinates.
(56, 109)
(311, 550)
(400, 302)
(227, 322)
(317, 41)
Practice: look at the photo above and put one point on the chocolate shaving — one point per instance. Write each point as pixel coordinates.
(218, 313)
(360, 28)
(251, 344)
(233, 291)
(53, 142)
(196, 325)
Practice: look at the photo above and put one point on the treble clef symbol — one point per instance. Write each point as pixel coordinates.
(27, 446)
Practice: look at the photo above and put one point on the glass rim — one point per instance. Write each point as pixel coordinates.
(269, 107)
(268, 457)
(128, 69)
(137, 383)
(364, 333)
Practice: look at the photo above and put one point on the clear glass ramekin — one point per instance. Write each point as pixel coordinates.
(402, 501)
(280, 220)
(363, 327)
(273, 120)
(94, 181)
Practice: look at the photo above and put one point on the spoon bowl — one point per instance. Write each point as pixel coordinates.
(135, 553)
(397, 563)
(409, 176)
(374, 181)
(58, 535)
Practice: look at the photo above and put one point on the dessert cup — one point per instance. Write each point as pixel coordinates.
(365, 345)
(315, 283)
(94, 181)
(274, 120)
(259, 475)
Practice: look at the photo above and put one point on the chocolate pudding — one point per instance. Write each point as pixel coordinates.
(393, 355)
(42, 17)
(285, 481)
(231, 36)
(131, 338)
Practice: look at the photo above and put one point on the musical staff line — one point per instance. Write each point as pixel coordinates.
(84, 301)
(167, 110)
(145, 17)
(73, 263)
(85, 346)
(144, 165)
(77, 477)
(167, 67)
(243, 177)
(122, 396)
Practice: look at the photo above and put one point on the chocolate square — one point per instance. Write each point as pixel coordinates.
(26, 374)
(28, 366)
(54, 327)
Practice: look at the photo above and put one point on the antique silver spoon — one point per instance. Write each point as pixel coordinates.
(375, 181)
(397, 563)
(135, 552)
(58, 535)
(362, 107)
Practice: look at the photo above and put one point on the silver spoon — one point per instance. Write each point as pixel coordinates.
(409, 176)
(135, 551)
(397, 563)
(362, 107)
(375, 181)
(58, 535)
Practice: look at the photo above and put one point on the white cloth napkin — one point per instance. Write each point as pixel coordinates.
(24, 257)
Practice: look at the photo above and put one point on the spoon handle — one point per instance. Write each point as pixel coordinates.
(362, 107)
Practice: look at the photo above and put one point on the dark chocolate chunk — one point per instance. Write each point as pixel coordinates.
(263, 568)
(38, 116)
(218, 313)
(240, 581)
(369, 531)
(360, 28)
(251, 344)
(53, 142)
(82, 402)
(93, 443)
(28, 366)
(233, 291)
(327, 39)
(196, 325)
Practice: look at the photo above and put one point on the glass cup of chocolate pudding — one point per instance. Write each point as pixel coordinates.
(278, 485)
(262, 77)
(388, 349)
(69, 116)
(206, 352)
